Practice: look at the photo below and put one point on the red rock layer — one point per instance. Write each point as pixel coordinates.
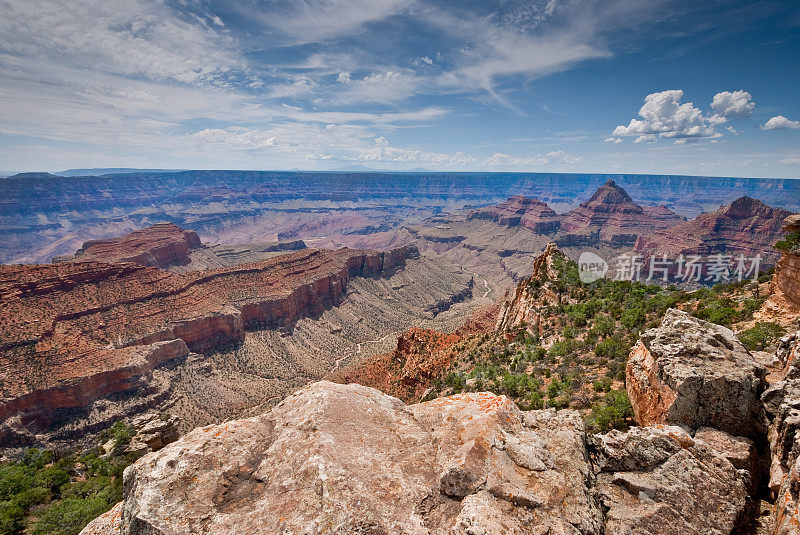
(746, 226)
(519, 211)
(611, 216)
(787, 271)
(421, 356)
(160, 245)
(74, 332)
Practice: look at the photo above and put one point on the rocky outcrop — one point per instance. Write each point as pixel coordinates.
(744, 227)
(420, 357)
(533, 294)
(787, 271)
(661, 480)
(74, 333)
(614, 217)
(160, 245)
(694, 373)
(782, 406)
(525, 212)
(349, 459)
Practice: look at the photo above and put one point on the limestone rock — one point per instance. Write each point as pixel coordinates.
(349, 459)
(691, 372)
(106, 524)
(659, 480)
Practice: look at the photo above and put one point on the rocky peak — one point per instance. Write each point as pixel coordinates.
(534, 293)
(746, 207)
(526, 212)
(746, 226)
(610, 193)
(611, 216)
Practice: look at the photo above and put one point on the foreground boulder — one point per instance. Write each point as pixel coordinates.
(661, 480)
(348, 459)
(782, 406)
(694, 373)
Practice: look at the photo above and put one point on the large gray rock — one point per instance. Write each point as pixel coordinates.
(660, 480)
(349, 459)
(782, 405)
(345, 459)
(691, 372)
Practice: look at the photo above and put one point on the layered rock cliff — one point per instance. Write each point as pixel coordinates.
(744, 227)
(611, 216)
(466, 464)
(75, 333)
(531, 214)
(787, 271)
(160, 245)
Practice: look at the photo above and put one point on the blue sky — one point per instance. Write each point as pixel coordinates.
(624, 86)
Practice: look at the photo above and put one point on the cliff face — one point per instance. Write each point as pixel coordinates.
(538, 290)
(73, 333)
(465, 464)
(520, 211)
(612, 217)
(746, 226)
(787, 271)
(160, 245)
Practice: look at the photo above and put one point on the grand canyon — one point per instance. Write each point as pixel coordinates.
(399, 267)
(469, 313)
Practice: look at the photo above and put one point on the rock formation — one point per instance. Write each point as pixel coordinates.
(531, 294)
(612, 217)
(660, 480)
(787, 271)
(531, 214)
(160, 245)
(349, 459)
(74, 333)
(694, 373)
(782, 405)
(745, 227)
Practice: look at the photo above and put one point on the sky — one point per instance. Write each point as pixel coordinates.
(603, 86)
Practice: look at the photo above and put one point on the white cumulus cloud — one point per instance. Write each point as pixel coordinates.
(731, 105)
(664, 116)
(779, 122)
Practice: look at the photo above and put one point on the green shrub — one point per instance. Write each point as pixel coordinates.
(68, 516)
(761, 335)
(613, 412)
(790, 241)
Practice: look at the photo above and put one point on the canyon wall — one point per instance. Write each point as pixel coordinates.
(73, 333)
(160, 245)
(787, 271)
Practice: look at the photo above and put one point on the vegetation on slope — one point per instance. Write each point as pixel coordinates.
(47, 493)
(576, 357)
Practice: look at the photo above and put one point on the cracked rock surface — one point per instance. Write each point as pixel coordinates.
(348, 459)
(694, 373)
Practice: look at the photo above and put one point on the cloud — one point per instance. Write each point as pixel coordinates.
(384, 87)
(779, 122)
(126, 37)
(731, 105)
(612, 140)
(312, 21)
(295, 142)
(664, 116)
(500, 159)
